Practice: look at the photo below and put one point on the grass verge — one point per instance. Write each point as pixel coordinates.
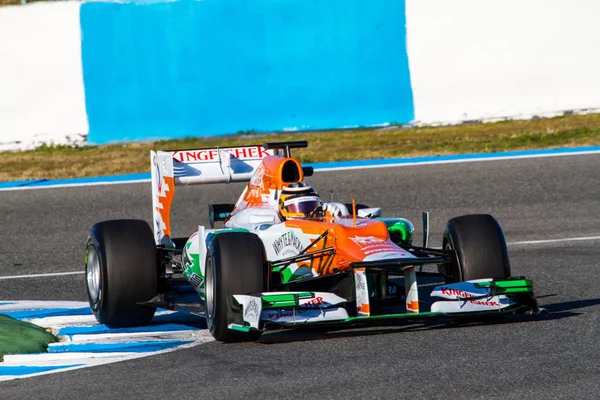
(335, 145)
(20, 337)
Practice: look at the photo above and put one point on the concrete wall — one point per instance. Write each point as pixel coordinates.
(486, 59)
(160, 69)
(41, 85)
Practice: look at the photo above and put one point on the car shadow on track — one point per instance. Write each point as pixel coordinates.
(568, 306)
(180, 318)
(555, 311)
(381, 328)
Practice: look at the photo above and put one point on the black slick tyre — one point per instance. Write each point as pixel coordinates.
(235, 264)
(480, 247)
(121, 268)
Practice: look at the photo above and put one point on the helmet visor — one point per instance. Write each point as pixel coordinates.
(302, 205)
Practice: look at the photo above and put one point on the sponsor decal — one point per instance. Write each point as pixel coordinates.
(485, 303)
(360, 284)
(274, 316)
(456, 292)
(191, 265)
(362, 297)
(196, 281)
(251, 311)
(158, 228)
(462, 295)
(365, 241)
(288, 244)
(208, 155)
(313, 303)
(372, 245)
(158, 175)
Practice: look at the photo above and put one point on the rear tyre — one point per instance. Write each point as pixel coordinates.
(121, 267)
(235, 264)
(480, 248)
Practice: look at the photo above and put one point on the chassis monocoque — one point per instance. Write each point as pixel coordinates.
(257, 272)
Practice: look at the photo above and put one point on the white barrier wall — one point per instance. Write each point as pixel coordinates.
(41, 83)
(468, 60)
(486, 59)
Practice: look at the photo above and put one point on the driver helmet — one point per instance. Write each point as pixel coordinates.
(298, 200)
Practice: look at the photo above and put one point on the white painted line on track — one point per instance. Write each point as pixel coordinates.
(40, 304)
(32, 359)
(42, 275)
(89, 360)
(575, 239)
(75, 320)
(60, 322)
(69, 185)
(132, 337)
(75, 185)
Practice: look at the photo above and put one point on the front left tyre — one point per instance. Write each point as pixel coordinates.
(121, 267)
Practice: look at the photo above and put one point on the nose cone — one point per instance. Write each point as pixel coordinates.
(369, 238)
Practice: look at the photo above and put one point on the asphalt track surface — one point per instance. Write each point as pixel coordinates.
(556, 356)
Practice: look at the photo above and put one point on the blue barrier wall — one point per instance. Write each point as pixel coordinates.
(195, 68)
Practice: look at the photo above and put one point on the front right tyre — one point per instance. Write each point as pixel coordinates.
(479, 246)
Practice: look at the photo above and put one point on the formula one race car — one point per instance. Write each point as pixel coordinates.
(282, 258)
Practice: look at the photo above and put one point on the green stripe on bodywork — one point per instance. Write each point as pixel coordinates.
(281, 300)
(508, 286)
(273, 298)
(288, 275)
(239, 328)
(513, 290)
(229, 230)
(281, 304)
(505, 284)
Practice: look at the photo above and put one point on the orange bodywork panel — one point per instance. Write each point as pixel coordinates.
(167, 188)
(273, 174)
(351, 243)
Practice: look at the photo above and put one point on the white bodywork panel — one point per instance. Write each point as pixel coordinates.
(412, 293)
(251, 308)
(362, 294)
(316, 308)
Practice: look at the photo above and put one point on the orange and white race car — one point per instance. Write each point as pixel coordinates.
(281, 257)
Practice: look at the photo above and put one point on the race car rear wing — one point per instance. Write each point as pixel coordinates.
(202, 166)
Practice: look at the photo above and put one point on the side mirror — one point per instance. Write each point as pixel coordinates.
(369, 212)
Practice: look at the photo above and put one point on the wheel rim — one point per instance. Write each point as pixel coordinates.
(209, 289)
(93, 275)
(455, 271)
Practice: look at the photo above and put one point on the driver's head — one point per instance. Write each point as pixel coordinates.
(298, 200)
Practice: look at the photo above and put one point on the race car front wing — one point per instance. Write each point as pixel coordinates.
(289, 309)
